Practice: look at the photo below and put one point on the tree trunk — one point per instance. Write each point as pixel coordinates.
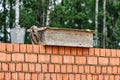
(17, 14)
(96, 23)
(61, 19)
(104, 25)
(11, 15)
(40, 13)
(48, 13)
(110, 1)
(4, 20)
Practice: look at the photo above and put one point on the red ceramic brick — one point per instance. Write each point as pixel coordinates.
(27, 76)
(25, 67)
(31, 57)
(77, 76)
(32, 68)
(103, 61)
(34, 76)
(23, 47)
(68, 59)
(4, 66)
(2, 47)
(18, 57)
(41, 76)
(80, 60)
(75, 69)
(97, 51)
(18, 66)
(65, 76)
(5, 57)
(85, 51)
(109, 70)
(83, 77)
(108, 52)
(49, 49)
(118, 53)
(52, 68)
(92, 60)
(87, 69)
(69, 68)
(63, 68)
(53, 76)
(114, 61)
(114, 70)
(0, 66)
(47, 77)
(79, 51)
(95, 77)
(14, 76)
(7, 76)
(112, 77)
(100, 77)
(71, 77)
(57, 68)
(16, 48)
(61, 50)
(38, 67)
(44, 68)
(11, 66)
(73, 51)
(42, 49)
(91, 51)
(98, 69)
(29, 48)
(21, 76)
(44, 58)
(59, 76)
(55, 50)
(89, 77)
(36, 48)
(56, 59)
(102, 52)
(2, 76)
(113, 52)
(67, 50)
(117, 77)
(119, 70)
(92, 69)
(81, 69)
(104, 69)
(106, 77)
(9, 47)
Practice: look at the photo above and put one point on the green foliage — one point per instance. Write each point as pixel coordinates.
(73, 14)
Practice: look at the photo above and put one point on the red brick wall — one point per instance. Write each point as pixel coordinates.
(33, 62)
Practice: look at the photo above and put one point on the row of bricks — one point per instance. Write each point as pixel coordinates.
(56, 68)
(60, 59)
(27, 48)
(39, 49)
(47, 76)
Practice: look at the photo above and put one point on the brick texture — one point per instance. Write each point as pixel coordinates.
(68, 59)
(103, 61)
(44, 58)
(92, 60)
(18, 57)
(114, 61)
(31, 57)
(56, 59)
(80, 60)
(5, 57)
(39, 62)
